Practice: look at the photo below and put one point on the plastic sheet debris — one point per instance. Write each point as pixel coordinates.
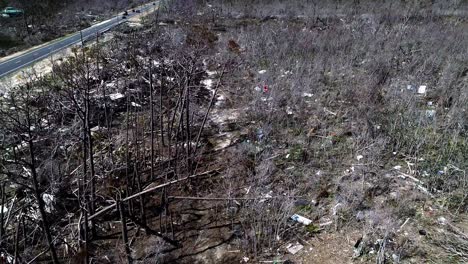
(208, 83)
(4, 208)
(293, 249)
(301, 219)
(442, 221)
(95, 129)
(262, 72)
(307, 95)
(116, 96)
(49, 201)
(211, 73)
(430, 113)
(359, 157)
(422, 89)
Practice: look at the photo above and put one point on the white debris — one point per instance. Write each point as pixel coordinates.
(397, 167)
(95, 129)
(116, 96)
(422, 89)
(335, 208)
(326, 223)
(442, 221)
(110, 85)
(258, 89)
(135, 104)
(262, 72)
(294, 249)
(307, 95)
(208, 83)
(430, 113)
(224, 141)
(48, 201)
(3, 208)
(289, 111)
(410, 87)
(44, 122)
(7, 258)
(359, 157)
(211, 73)
(301, 219)
(268, 195)
(220, 99)
(245, 259)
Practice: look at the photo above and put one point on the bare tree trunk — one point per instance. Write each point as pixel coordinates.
(37, 192)
(151, 119)
(161, 114)
(2, 231)
(124, 231)
(16, 242)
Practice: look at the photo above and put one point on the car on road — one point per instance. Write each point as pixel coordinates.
(12, 12)
(124, 15)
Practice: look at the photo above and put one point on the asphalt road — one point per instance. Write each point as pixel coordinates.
(18, 62)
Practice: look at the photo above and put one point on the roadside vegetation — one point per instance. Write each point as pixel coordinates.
(195, 138)
(47, 20)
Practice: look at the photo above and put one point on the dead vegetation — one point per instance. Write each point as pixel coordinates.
(196, 137)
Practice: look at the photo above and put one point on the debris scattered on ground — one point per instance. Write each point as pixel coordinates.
(116, 96)
(293, 249)
(49, 200)
(325, 223)
(301, 219)
(430, 113)
(422, 89)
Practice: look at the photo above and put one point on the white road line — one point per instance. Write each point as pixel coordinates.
(18, 61)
